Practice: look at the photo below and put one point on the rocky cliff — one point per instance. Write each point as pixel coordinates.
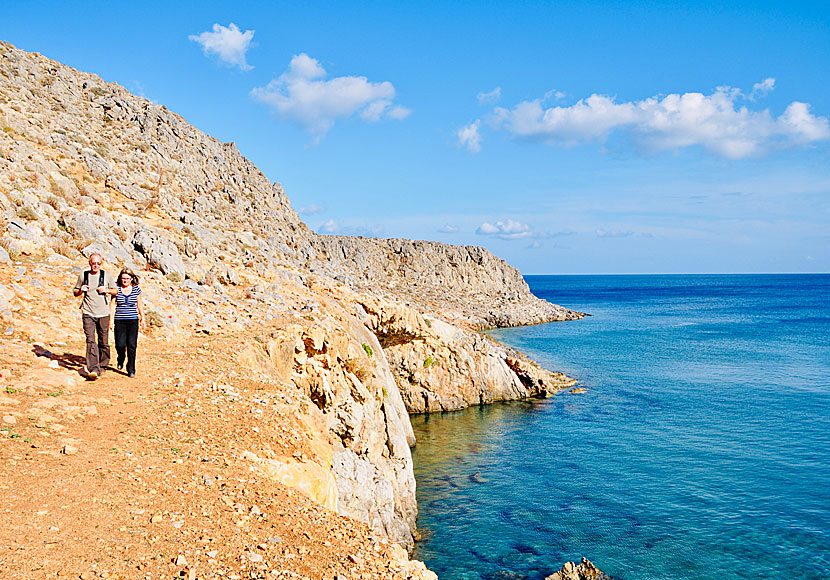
(360, 330)
(467, 284)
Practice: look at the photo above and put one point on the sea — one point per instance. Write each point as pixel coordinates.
(700, 449)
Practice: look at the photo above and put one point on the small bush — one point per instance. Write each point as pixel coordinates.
(175, 277)
(368, 350)
(64, 249)
(153, 318)
(10, 247)
(101, 149)
(53, 187)
(352, 365)
(81, 243)
(27, 213)
(429, 362)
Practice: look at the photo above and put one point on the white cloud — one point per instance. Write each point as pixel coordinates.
(534, 245)
(762, 89)
(603, 233)
(332, 227)
(802, 126)
(329, 227)
(448, 229)
(489, 98)
(228, 43)
(398, 112)
(555, 95)
(506, 230)
(469, 137)
(715, 122)
(304, 96)
(313, 208)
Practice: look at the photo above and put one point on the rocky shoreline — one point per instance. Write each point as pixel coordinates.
(351, 334)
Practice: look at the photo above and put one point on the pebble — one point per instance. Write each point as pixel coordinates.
(69, 450)
(54, 365)
(9, 419)
(181, 560)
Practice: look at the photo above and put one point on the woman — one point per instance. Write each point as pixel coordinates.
(129, 315)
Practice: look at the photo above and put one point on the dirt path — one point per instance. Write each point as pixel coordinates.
(148, 477)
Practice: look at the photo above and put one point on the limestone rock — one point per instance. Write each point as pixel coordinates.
(160, 252)
(583, 571)
(441, 367)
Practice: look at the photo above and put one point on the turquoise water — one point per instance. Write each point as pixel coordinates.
(700, 451)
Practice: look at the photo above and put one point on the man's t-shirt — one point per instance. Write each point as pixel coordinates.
(94, 304)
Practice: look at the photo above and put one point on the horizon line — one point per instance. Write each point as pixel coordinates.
(678, 274)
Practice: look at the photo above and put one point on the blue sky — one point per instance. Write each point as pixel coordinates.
(566, 137)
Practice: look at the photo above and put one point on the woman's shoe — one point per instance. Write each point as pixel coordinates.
(120, 366)
(131, 375)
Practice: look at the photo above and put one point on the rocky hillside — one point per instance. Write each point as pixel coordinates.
(345, 335)
(90, 143)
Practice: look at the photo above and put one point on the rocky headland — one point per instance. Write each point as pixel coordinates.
(276, 376)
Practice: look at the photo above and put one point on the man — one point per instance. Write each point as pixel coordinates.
(95, 285)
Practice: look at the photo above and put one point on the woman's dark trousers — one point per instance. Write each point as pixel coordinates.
(126, 341)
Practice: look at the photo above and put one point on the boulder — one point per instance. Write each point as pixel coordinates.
(583, 571)
(160, 253)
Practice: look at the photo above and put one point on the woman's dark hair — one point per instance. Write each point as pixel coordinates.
(131, 274)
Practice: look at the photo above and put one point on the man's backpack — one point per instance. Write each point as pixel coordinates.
(86, 283)
(100, 278)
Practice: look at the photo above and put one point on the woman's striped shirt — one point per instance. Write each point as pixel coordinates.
(126, 306)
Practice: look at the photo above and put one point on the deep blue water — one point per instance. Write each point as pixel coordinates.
(700, 451)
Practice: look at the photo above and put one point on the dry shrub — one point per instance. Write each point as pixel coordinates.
(10, 247)
(81, 243)
(356, 367)
(53, 186)
(27, 213)
(153, 318)
(64, 249)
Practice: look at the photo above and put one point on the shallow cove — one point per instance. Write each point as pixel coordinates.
(700, 451)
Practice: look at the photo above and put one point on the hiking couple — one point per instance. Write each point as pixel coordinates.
(106, 302)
